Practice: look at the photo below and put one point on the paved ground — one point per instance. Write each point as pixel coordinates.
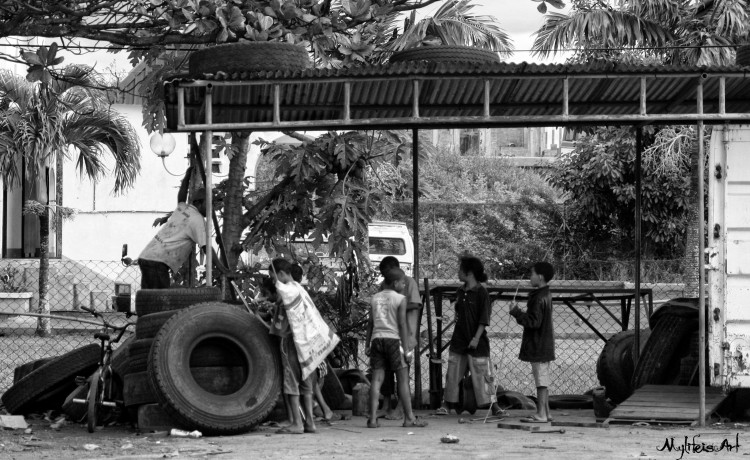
(351, 439)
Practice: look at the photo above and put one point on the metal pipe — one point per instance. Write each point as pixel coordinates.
(415, 100)
(701, 285)
(699, 98)
(208, 137)
(415, 198)
(276, 104)
(180, 107)
(643, 96)
(486, 98)
(347, 101)
(722, 95)
(477, 121)
(566, 89)
(637, 325)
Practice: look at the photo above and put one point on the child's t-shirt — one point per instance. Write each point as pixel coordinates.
(385, 314)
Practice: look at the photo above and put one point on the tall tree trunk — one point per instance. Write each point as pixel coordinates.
(44, 327)
(233, 202)
(692, 258)
(59, 202)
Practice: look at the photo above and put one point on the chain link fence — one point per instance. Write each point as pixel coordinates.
(588, 313)
(72, 284)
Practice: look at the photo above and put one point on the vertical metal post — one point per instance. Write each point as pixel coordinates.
(276, 105)
(566, 90)
(415, 100)
(415, 198)
(180, 107)
(208, 137)
(643, 96)
(347, 102)
(701, 285)
(486, 99)
(637, 322)
(722, 95)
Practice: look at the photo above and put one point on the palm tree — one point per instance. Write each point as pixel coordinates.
(64, 116)
(453, 24)
(672, 31)
(655, 31)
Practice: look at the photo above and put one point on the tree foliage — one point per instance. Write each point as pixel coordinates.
(598, 178)
(669, 31)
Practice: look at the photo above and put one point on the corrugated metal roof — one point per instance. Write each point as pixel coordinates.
(454, 94)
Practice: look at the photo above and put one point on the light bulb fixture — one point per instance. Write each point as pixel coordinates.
(162, 144)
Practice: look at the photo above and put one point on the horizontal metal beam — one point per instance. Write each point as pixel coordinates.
(312, 80)
(474, 121)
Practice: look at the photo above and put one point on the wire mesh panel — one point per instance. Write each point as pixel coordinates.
(72, 284)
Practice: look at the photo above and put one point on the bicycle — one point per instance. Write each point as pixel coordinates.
(101, 383)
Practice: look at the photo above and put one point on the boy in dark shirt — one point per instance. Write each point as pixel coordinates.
(538, 341)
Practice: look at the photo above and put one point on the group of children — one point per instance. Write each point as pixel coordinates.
(391, 339)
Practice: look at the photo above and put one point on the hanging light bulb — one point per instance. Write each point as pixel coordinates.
(162, 144)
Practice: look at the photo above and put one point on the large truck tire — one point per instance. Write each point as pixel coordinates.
(150, 301)
(248, 57)
(49, 385)
(616, 365)
(137, 390)
(146, 327)
(660, 359)
(120, 357)
(446, 53)
(208, 410)
(25, 369)
(138, 355)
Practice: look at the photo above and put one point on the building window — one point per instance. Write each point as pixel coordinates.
(470, 142)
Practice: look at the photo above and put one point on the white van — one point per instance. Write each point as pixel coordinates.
(384, 239)
(391, 239)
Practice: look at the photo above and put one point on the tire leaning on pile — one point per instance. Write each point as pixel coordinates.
(150, 301)
(227, 404)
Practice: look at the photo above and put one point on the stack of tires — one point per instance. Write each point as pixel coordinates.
(668, 352)
(211, 366)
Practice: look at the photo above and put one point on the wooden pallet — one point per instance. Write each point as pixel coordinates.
(669, 404)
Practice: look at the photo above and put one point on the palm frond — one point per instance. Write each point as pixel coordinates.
(101, 132)
(597, 28)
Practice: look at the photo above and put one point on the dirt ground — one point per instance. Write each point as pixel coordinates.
(351, 439)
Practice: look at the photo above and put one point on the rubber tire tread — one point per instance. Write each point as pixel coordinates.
(73, 411)
(25, 369)
(54, 376)
(184, 400)
(137, 390)
(743, 56)
(149, 301)
(464, 54)
(571, 402)
(146, 327)
(248, 57)
(666, 337)
(138, 355)
(615, 365)
(120, 357)
(332, 389)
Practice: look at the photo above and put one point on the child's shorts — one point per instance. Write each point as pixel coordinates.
(541, 374)
(294, 384)
(386, 354)
(481, 377)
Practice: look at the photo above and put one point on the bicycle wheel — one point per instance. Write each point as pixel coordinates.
(96, 393)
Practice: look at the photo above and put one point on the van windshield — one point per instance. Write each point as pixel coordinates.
(390, 246)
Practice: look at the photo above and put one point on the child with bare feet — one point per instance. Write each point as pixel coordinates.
(293, 383)
(538, 340)
(387, 337)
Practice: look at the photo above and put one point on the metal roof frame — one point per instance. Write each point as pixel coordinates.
(467, 95)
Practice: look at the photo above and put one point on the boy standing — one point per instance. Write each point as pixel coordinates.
(538, 341)
(387, 331)
(293, 383)
(413, 307)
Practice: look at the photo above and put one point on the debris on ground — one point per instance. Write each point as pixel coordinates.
(185, 434)
(13, 422)
(449, 439)
(90, 446)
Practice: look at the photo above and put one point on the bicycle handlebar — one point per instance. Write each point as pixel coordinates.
(107, 324)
